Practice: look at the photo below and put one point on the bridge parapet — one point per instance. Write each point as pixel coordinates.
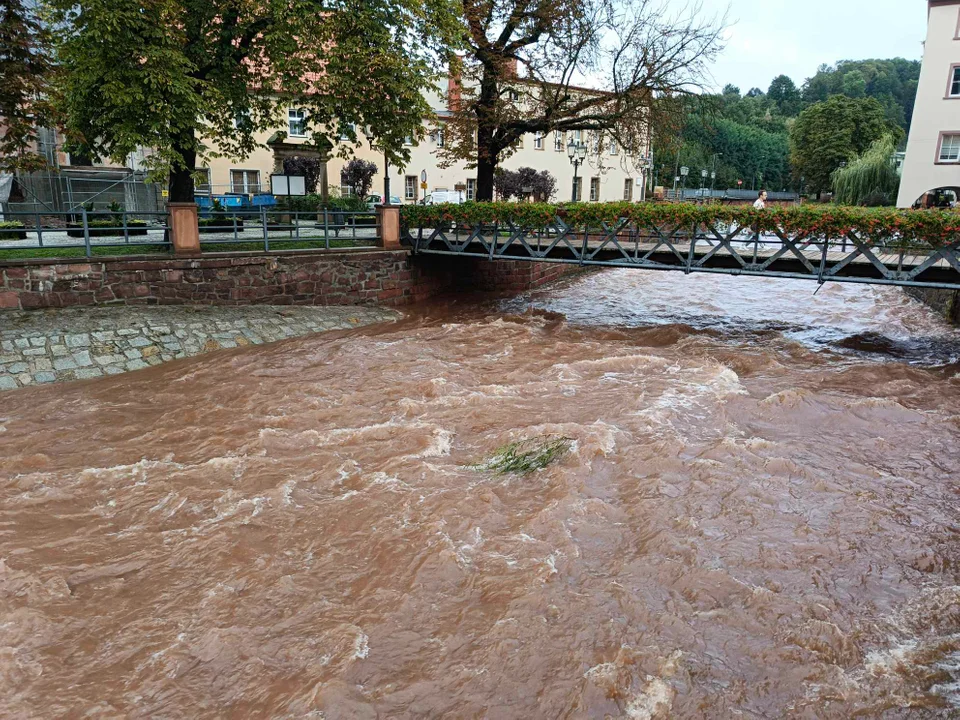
(825, 244)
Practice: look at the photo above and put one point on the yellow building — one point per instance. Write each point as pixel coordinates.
(607, 173)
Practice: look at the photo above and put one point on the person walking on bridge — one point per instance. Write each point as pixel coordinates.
(759, 204)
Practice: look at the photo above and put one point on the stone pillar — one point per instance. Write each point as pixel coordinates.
(388, 227)
(184, 229)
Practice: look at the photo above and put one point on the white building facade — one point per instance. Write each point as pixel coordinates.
(933, 149)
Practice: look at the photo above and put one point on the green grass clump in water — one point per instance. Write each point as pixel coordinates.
(526, 456)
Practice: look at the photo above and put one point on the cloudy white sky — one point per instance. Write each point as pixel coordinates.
(770, 37)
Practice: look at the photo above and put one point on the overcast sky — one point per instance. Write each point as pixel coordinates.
(770, 37)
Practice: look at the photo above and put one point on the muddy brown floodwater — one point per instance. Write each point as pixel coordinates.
(758, 519)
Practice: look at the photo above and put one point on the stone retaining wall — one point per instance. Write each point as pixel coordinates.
(357, 277)
(945, 302)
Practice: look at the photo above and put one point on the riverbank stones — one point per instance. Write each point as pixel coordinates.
(46, 346)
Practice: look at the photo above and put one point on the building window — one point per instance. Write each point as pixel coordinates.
(578, 136)
(949, 149)
(514, 95)
(201, 180)
(241, 120)
(954, 90)
(538, 141)
(578, 188)
(594, 189)
(438, 136)
(614, 148)
(558, 141)
(296, 123)
(410, 187)
(350, 129)
(408, 140)
(471, 189)
(628, 189)
(245, 182)
(346, 190)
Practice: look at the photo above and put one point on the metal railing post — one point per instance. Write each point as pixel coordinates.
(326, 228)
(266, 236)
(126, 231)
(86, 231)
(39, 230)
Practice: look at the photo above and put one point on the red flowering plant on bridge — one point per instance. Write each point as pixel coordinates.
(887, 227)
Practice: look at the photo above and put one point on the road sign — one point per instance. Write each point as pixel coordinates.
(423, 176)
(739, 183)
(423, 186)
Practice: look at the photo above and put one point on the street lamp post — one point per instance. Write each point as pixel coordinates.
(577, 153)
(703, 182)
(684, 171)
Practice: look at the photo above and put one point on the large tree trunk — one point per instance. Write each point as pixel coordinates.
(181, 178)
(485, 170)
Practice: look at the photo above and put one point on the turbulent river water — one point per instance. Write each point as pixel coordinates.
(758, 517)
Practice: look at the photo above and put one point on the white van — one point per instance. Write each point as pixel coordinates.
(437, 197)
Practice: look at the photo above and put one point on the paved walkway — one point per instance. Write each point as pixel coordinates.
(75, 344)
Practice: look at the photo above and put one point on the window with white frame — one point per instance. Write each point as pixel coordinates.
(242, 119)
(578, 188)
(351, 128)
(410, 187)
(595, 143)
(201, 180)
(346, 189)
(471, 188)
(408, 140)
(558, 140)
(245, 182)
(538, 140)
(514, 95)
(578, 136)
(614, 148)
(296, 123)
(594, 189)
(628, 189)
(955, 81)
(949, 149)
(438, 136)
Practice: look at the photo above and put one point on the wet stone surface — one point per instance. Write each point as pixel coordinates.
(79, 344)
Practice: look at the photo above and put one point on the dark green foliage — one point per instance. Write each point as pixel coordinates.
(833, 132)
(24, 70)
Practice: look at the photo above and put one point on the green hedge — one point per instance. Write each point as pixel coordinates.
(936, 227)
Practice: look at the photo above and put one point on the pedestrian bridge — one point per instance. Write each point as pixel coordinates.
(719, 246)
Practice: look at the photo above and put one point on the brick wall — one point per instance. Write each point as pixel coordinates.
(366, 277)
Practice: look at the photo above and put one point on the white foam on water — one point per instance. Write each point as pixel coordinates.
(361, 646)
(654, 701)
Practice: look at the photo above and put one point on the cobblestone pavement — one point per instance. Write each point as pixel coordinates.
(75, 344)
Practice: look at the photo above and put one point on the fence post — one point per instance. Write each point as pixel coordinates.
(39, 231)
(388, 224)
(266, 231)
(184, 228)
(86, 231)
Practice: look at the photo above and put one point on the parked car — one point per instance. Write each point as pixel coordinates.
(374, 200)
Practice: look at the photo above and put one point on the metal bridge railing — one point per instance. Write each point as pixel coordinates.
(711, 247)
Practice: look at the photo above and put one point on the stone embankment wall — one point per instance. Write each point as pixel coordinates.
(388, 278)
(945, 302)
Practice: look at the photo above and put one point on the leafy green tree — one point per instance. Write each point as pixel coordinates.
(854, 84)
(785, 95)
(24, 70)
(180, 76)
(834, 132)
(871, 179)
